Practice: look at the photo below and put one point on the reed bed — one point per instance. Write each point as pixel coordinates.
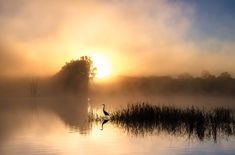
(192, 121)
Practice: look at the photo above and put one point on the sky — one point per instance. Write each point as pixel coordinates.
(131, 37)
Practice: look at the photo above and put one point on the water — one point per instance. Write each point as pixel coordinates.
(60, 126)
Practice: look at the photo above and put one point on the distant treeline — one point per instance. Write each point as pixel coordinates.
(223, 84)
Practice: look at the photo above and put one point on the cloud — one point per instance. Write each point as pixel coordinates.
(141, 37)
(10, 61)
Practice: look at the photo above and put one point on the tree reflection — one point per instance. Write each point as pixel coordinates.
(73, 111)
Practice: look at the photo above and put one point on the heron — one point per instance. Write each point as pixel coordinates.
(105, 112)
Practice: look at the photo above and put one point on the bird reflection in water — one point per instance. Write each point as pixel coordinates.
(104, 122)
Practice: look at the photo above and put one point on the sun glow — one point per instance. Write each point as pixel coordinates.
(102, 65)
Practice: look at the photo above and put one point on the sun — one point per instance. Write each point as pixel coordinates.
(102, 65)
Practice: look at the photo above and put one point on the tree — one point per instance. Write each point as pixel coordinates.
(74, 76)
(207, 75)
(224, 75)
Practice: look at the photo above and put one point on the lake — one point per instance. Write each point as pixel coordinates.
(60, 126)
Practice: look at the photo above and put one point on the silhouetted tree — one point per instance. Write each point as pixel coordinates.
(225, 75)
(75, 75)
(207, 75)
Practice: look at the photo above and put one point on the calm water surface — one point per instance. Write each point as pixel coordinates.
(60, 127)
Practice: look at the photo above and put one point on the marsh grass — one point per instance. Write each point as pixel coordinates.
(192, 121)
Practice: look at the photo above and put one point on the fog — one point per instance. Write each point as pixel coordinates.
(70, 70)
(141, 38)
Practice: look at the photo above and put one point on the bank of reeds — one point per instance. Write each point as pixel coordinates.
(192, 121)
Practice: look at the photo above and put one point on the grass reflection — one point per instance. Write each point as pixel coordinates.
(142, 119)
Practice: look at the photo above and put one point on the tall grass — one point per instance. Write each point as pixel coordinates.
(145, 118)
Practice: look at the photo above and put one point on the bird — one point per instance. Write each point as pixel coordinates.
(105, 112)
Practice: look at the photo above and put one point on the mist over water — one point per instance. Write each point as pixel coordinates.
(60, 125)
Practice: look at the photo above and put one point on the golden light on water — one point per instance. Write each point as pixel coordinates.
(102, 65)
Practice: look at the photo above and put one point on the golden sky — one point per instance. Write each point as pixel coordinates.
(140, 37)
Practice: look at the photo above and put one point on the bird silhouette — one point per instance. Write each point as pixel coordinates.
(105, 112)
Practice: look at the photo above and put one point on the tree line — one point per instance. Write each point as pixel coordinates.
(207, 83)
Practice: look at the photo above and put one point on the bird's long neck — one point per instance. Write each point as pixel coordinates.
(103, 107)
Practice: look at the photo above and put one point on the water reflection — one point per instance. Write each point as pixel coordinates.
(73, 111)
(104, 122)
(44, 125)
(144, 119)
(19, 113)
(223, 131)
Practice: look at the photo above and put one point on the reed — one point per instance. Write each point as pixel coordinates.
(192, 121)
